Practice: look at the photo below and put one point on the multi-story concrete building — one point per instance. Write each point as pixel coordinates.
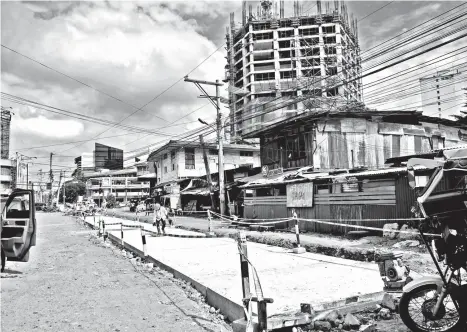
(85, 162)
(443, 93)
(182, 159)
(102, 158)
(280, 66)
(123, 184)
(6, 167)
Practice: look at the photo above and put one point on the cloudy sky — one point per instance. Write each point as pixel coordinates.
(134, 51)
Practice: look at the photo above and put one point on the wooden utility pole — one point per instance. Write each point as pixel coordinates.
(215, 100)
(51, 179)
(208, 172)
(59, 184)
(63, 190)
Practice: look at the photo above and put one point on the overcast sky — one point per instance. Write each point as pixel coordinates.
(134, 51)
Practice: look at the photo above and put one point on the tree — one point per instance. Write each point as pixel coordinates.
(73, 190)
(111, 201)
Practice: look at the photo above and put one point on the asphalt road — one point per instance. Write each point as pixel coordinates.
(73, 284)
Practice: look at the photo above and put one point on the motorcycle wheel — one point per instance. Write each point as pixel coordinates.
(414, 309)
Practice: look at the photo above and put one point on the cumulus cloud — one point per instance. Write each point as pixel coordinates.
(42, 126)
(133, 51)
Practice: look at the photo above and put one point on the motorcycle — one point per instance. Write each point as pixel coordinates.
(439, 302)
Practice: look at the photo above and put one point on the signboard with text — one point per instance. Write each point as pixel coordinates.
(300, 195)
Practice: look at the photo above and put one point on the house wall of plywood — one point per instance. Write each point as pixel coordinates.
(376, 200)
(347, 143)
(265, 207)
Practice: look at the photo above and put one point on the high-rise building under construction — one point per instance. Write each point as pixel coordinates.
(279, 66)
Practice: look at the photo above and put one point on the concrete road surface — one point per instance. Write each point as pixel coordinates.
(290, 279)
(71, 284)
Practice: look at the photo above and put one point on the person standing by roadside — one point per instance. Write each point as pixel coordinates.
(160, 216)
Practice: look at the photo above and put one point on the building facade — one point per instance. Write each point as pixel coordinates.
(443, 94)
(85, 162)
(181, 160)
(107, 157)
(6, 178)
(123, 184)
(354, 139)
(103, 157)
(280, 66)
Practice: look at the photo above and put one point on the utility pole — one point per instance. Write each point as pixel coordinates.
(208, 172)
(219, 130)
(17, 169)
(51, 179)
(64, 191)
(59, 184)
(221, 151)
(27, 175)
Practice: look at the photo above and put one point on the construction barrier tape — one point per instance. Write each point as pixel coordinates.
(112, 223)
(134, 226)
(367, 227)
(335, 222)
(272, 221)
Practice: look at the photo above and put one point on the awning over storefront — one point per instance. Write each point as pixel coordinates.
(196, 192)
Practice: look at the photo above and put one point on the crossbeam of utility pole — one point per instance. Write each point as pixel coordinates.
(202, 82)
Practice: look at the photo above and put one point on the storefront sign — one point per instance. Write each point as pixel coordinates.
(300, 195)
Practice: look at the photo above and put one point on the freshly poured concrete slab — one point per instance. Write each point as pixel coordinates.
(290, 279)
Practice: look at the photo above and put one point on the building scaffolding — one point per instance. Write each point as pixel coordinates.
(5, 133)
(279, 65)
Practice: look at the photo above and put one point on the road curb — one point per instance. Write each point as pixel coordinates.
(230, 309)
(235, 312)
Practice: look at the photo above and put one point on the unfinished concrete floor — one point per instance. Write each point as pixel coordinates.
(290, 279)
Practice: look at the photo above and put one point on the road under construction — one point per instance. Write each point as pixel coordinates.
(213, 266)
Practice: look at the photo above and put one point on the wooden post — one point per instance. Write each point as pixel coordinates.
(208, 172)
(244, 269)
(121, 233)
(103, 230)
(298, 249)
(262, 316)
(143, 239)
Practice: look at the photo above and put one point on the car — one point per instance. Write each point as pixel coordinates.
(18, 226)
(40, 206)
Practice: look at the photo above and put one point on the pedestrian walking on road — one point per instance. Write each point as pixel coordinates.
(160, 216)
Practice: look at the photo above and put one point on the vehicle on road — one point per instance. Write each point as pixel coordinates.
(18, 226)
(40, 206)
(439, 303)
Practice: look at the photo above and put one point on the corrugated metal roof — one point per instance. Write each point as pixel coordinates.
(428, 154)
(200, 191)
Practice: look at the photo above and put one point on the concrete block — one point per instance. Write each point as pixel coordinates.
(266, 228)
(254, 227)
(299, 250)
(389, 302)
(388, 230)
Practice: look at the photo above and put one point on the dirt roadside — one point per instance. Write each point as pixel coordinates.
(74, 283)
